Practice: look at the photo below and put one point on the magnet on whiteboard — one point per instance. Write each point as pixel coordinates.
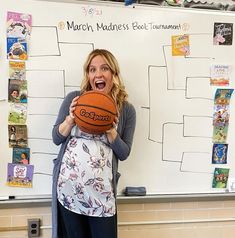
(231, 185)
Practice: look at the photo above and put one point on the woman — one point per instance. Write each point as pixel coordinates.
(85, 173)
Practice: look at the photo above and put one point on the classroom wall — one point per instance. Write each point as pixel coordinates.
(174, 216)
(177, 143)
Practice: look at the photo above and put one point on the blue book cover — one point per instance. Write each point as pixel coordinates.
(20, 155)
(16, 49)
(219, 154)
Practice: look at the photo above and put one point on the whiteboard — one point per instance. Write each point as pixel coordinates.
(173, 97)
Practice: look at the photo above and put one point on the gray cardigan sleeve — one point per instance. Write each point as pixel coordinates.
(63, 112)
(123, 142)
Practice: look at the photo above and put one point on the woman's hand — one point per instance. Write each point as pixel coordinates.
(112, 133)
(66, 126)
(70, 118)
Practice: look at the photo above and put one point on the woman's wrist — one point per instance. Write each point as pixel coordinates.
(69, 121)
(66, 126)
(111, 135)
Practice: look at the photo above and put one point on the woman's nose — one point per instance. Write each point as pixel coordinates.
(98, 73)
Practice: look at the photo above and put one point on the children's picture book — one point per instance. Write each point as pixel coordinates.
(223, 95)
(19, 25)
(19, 175)
(17, 113)
(17, 91)
(18, 136)
(219, 153)
(20, 155)
(220, 74)
(221, 115)
(220, 134)
(180, 45)
(223, 33)
(17, 49)
(17, 70)
(220, 178)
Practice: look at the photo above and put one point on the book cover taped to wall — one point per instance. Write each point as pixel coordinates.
(219, 153)
(17, 70)
(221, 115)
(20, 155)
(220, 74)
(19, 25)
(17, 114)
(180, 45)
(17, 49)
(17, 91)
(18, 136)
(19, 175)
(223, 95)
(220, 178)
(223, 33)
(220, 134)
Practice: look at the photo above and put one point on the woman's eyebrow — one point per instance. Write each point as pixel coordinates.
(100, 65)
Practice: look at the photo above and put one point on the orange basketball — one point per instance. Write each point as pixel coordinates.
(95, 112)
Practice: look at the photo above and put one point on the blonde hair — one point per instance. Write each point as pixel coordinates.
(118, 92)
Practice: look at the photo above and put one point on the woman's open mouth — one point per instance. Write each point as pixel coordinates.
(100, 84)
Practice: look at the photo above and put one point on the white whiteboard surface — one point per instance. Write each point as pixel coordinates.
(173, 98)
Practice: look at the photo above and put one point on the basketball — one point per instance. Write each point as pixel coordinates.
(95, 112)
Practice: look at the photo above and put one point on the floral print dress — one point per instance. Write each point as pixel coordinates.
(85, 179)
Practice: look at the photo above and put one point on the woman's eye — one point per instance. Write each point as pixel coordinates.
(92, 70)
(105, 68)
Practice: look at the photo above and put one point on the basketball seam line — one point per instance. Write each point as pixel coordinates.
(98, 93)
(97, 108)
(91, 123)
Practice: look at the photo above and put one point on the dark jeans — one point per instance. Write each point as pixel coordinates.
(73, 225)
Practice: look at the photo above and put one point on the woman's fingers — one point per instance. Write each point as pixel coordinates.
(73, 106)
(115, 123)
